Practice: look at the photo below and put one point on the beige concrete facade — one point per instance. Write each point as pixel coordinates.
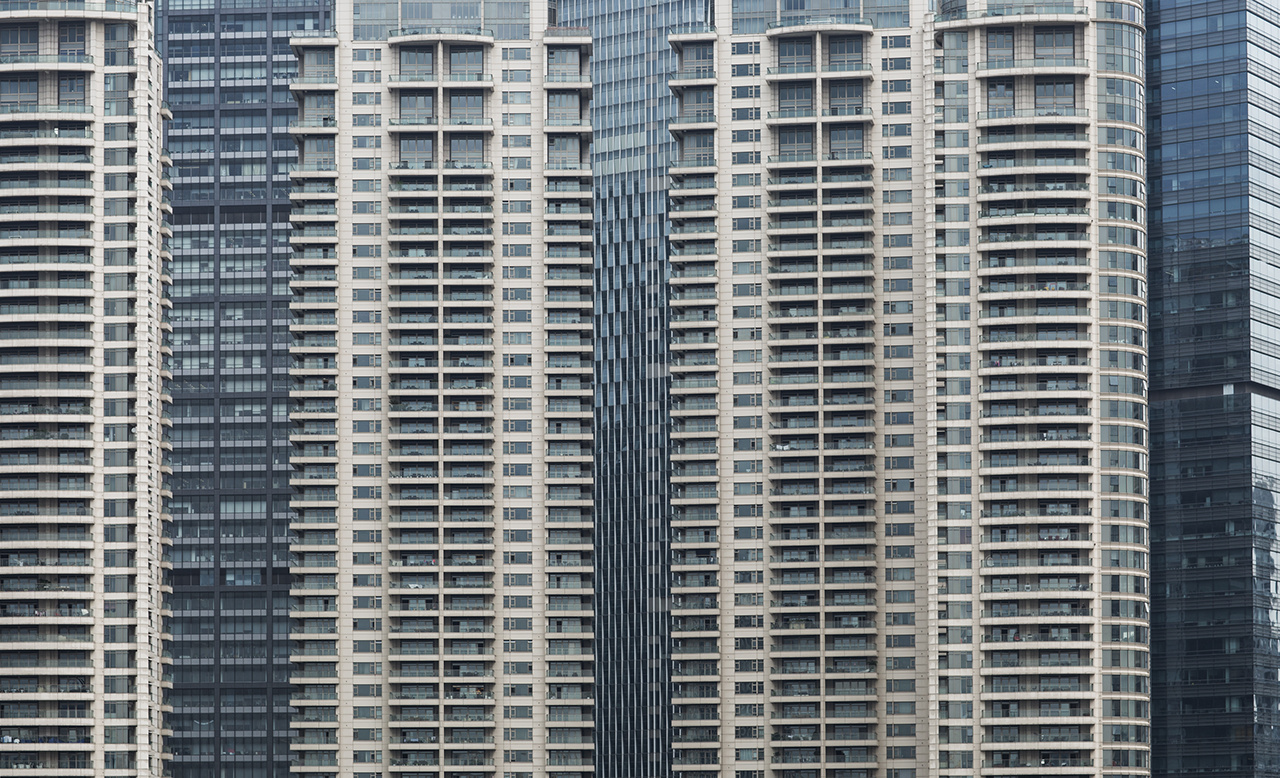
(908, 354)
(83, 427)
(442, 385)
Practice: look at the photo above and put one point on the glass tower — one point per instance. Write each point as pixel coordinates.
(1215, 388)
(229, 65)
(630, 111)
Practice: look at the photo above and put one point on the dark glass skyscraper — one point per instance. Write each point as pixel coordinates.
(1215, 386)
(228, 70)
(632, 105)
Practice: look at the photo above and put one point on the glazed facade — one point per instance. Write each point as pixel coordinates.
(83, 281)
(441, 384)
(229, 66)
(631, 106)
(1214, 387)
(908, 396)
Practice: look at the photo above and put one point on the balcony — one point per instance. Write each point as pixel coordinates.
(1056, 112)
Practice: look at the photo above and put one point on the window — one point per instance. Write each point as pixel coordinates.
(22, 40)
(466, 61)
(416, 151)
(795, 55)
(844, 52)
(1000, 46)
(564, 63)
(415, 63)
(845, 98)
(19, 91)
(466, 107)
(1000, 100)
(796, 99)
(1055, 96)
(1055, 43)
(70, 40)
(795, 142)
(564, 151)
(466, 151)
(563, 108)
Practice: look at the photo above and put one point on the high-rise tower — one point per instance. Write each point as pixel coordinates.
(441, 376)
(83, 342)
(228, 70)
(908, 338)
(631, 106)
(1215, 388)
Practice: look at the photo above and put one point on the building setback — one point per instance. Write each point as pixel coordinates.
(441, 380)
(907, 396)
(83, 281)
(228, 68)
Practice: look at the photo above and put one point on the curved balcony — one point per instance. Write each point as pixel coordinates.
(313, 170)
(840, 24)
(1018, 140)
(699, 120)
(1013, 13)
(1043, 115)
(408, 36)
(1058, 66)
(46, 62)
(693, 32)
(1027, 165)
(319, 38)
(326, 82)
(1012, 215)
(693, 164)
(30, 112)
(416, 80)
(322, 126)
(69, 9)
(702, 75)
(806, 71)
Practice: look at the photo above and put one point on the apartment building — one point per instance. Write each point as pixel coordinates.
(908, 400)
(228, 69)
(441, 384)
(83, 277)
